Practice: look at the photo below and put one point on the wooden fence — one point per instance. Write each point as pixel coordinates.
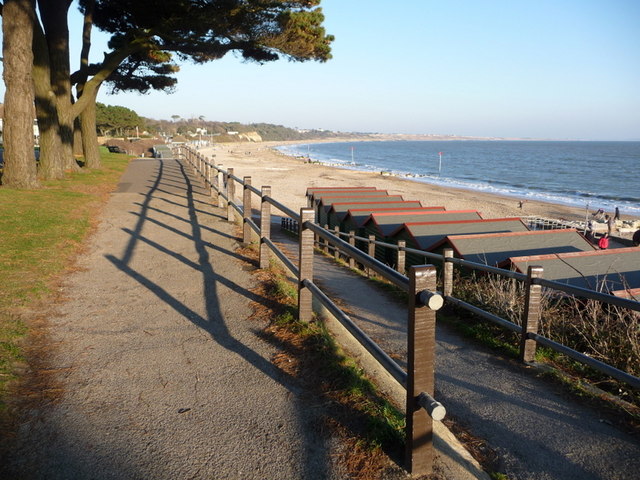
(419, 283)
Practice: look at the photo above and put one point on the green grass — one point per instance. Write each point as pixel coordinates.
(41, 232)
(340, 374)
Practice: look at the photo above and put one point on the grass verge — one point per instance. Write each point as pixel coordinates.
(41, 233)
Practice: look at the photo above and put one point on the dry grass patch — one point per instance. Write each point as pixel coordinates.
(41, 234)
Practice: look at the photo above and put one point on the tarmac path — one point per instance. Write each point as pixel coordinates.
(539, 431)
(163, 375)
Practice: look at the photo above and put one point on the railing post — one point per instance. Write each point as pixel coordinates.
(336, 252)
(231, 191)
(371, 251)
(246, 210)
(352, 242)
(265, 226)
(420, 371)
(222, 185)
(323, 244)
(210, 178)
(531, 314)
(402, 255)
(305, 265)
(447, 273)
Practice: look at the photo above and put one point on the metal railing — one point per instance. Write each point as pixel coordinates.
(420, 283)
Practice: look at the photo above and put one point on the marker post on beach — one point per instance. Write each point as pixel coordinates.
(440, 163)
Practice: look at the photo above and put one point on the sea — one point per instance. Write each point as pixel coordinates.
(585, 174)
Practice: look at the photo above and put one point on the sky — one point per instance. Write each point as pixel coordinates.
(545, 69)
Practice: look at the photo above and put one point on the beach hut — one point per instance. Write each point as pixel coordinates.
(324, 204)
(615, 271)
(316, 197)
(338, 210)
(424, 235)
(355, 217)
(382, 225)
(317, 201)
(313, 191)
(494, 248)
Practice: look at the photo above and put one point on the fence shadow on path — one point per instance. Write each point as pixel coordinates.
(316, 463)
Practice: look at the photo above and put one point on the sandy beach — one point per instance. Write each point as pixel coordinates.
(289, 177)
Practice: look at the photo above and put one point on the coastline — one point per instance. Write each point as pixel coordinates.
(290, 176)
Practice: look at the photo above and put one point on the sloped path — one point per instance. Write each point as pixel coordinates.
(538, 431)
(163, 375)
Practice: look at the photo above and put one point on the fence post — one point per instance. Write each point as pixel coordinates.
(447, 273)
(336, 252)
(401, 257)
(231, 191)
(209, 178)
(420, 371)
(371, 251)
(222, 186)
(352, 242)
(305, 265)
(531, 314)
(265, 226)
(246, 210)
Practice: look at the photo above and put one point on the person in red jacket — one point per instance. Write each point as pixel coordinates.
(603, 243)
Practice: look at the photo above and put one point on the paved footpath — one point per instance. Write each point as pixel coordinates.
(538, 431)
(163, 375)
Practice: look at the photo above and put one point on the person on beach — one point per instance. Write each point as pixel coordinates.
(610, 223)
(590, 232)
(603, 243)
(598, 215)
(616, 217)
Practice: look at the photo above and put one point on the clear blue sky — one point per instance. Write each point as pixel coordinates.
(542, 69)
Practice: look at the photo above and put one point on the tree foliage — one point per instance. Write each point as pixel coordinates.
(117, 119)
(147, 39)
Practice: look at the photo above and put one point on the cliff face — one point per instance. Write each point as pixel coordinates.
(251, 136)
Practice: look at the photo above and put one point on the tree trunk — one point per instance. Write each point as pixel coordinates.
(54, 20)
(51, 164)
(89, 136)
(78, 149)
(20, 170)
(87, 117)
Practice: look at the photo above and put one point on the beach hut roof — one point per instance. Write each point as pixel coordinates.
(341, 208)
(318, 197)
(388, 222)
(312, 190)
(630, 293)
(427, 234)
(494, 248)
(609, 270)
(361, 215)
(327, 202)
